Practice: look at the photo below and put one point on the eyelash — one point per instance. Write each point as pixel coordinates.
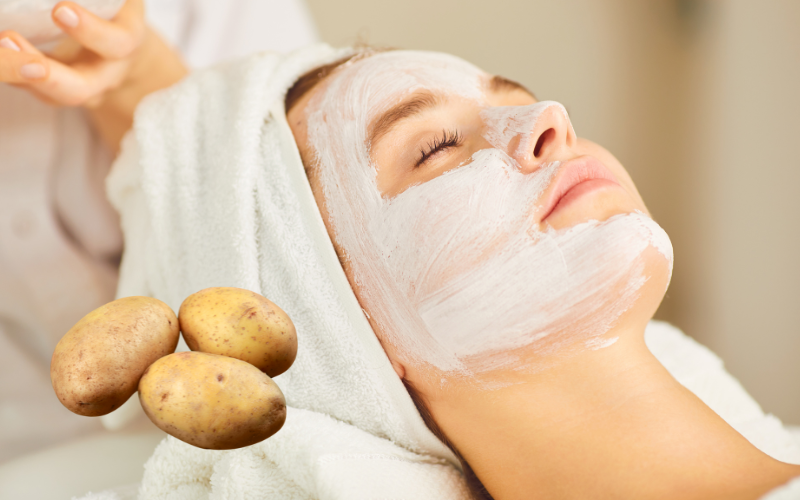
(448, 139)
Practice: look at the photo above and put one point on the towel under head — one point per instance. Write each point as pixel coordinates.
(212, 192)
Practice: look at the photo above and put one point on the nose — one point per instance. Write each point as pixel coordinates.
(532, 135)
(552, 138)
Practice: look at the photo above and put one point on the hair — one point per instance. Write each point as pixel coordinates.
(313, 77)
(309, 80)
(301, 87)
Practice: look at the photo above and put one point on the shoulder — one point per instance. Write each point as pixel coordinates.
(703, 373)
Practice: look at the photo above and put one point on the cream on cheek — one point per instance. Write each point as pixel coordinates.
(453, 270)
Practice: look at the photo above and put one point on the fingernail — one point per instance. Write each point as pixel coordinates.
(67, 16)
(32, 71)
(8, 43)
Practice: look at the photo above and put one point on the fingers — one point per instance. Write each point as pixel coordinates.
(115, 39)
(18, 65)
(86, 78)
(78, 84)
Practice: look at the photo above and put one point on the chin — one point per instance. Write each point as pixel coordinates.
(659, 272)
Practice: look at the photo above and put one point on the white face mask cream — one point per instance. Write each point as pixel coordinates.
(456, 271)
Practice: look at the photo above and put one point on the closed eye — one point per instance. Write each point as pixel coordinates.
(448, 139)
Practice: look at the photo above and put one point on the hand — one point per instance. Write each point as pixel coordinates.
(106, 66)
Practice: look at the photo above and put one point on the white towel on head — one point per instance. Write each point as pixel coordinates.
(212, 192)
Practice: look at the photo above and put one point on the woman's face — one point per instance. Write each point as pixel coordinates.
(478, 231)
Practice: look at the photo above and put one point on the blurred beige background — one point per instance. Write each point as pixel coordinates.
(700, 100)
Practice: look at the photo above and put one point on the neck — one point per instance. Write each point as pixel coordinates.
(610, 423)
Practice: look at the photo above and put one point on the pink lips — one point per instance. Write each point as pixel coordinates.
(574, 179)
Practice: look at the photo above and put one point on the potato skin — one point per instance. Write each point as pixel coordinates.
(97, 365)
(240, 324)
(211, 401)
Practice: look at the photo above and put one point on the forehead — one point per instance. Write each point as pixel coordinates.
(381, 79)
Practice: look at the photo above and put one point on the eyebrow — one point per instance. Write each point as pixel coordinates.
(500, 83)
(425, 100)
(414, 105)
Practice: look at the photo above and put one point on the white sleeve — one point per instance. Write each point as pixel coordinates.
(123, 186)
(210, 31)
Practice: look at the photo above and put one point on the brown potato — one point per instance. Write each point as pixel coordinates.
(97, 365)
(211, 401)
(240, 324)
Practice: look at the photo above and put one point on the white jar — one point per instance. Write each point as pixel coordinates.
(31, 18)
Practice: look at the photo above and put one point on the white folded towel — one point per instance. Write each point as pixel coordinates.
(702, 372)
(789, 491)
(212, 192)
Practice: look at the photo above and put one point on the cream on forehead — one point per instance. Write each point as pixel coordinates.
(381, 80)
(454, 271)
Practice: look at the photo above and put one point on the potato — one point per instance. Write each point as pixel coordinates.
(211, 401)
(97, 365)
(240, 324)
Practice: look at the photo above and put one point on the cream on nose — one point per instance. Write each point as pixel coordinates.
(532, 135)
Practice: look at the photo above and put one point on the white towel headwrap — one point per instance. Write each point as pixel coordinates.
(212, 192)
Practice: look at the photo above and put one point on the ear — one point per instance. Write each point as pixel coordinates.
(399, 369)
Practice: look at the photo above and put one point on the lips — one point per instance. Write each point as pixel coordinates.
(576, 178)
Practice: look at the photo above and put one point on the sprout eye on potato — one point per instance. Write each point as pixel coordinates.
(240, 324)
(212, 401)
(97, 365)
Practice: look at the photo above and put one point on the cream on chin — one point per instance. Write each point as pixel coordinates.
(455, 271)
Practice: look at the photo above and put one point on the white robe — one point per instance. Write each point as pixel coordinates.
(59, 238)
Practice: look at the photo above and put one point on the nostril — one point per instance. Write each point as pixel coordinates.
(546, 136)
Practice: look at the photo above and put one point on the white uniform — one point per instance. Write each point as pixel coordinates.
(59, 238)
